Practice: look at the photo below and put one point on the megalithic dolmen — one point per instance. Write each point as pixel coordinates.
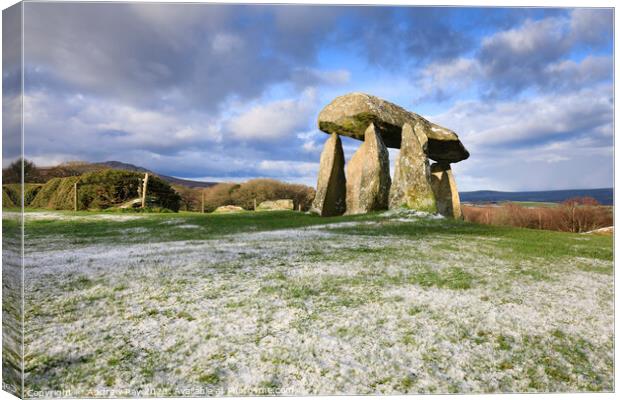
(381, 124)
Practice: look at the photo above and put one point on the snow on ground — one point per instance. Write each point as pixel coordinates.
(407, 214)
(608, 230)
(52, 216)
(313, 311)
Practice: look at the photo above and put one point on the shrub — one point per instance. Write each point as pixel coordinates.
(57, 194)
(570, 216)
(13, 191)
(30, 192)
(245, 194)
(270, 189)
(105, 189)
(7, 200)
(191, 198)
(219, 195)
(259, 190)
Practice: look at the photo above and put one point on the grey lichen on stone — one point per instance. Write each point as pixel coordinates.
(411, 186)
(351, 114)
(368, 175)
(445, 190)
(330, 198)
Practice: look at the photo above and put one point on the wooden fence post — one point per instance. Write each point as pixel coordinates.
(254, 203)
(75, 196)
(144, 186)
(203, 201)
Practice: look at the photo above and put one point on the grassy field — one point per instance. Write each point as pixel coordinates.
(252, 303)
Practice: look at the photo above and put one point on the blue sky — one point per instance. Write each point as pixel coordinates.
(226, 93)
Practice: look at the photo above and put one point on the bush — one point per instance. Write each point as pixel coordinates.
(269, 189)
(259, 190)
(219, 195)
(191, 198)
(56, 194)
(30, 192)
(7, 200)
(13, 191)
(571, 216)
(105, 189)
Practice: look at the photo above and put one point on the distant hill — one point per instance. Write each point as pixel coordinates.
(170, 179)
(603, 196)
(80, 167)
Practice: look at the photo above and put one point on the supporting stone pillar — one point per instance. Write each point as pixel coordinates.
(446, 193)
(330, 198)
(411, 186)
(368, 175)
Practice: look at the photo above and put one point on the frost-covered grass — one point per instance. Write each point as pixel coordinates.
(393, 302)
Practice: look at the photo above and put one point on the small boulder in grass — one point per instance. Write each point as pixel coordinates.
(228, 209)
(276, 205)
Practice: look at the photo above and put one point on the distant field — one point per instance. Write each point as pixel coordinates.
(393, 302)
(603, 196)
(520, 203)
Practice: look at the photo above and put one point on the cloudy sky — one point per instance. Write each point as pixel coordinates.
(223, 93)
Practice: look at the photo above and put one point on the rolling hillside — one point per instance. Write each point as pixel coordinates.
(78, 168)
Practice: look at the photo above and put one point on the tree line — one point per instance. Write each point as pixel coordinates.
(104, 188)
(244, 195)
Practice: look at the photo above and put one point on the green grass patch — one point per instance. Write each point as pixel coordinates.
(150, 228)
(211, 378)
(516, 243)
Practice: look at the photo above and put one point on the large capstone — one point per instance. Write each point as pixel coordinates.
(411, 186)
(446, 193)
(331, 186)
(368, 175)
(350, 115)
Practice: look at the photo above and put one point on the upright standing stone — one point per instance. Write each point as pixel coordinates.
(368, 175)
(446, 193)
(331, 186)
(411, 186)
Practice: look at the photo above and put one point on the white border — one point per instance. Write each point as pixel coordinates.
(476, 3)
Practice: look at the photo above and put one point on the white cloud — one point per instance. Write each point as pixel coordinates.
(497, 123)
(289, 171)
(89, 126)
(305, 77)
(557, 141)
(274, 120)
(226, 42)
(312, 141)
(335, 77)
(591, 25)
(569, 73)
(530, 55)
(448, 78)
(291, 167)
(532, 37)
